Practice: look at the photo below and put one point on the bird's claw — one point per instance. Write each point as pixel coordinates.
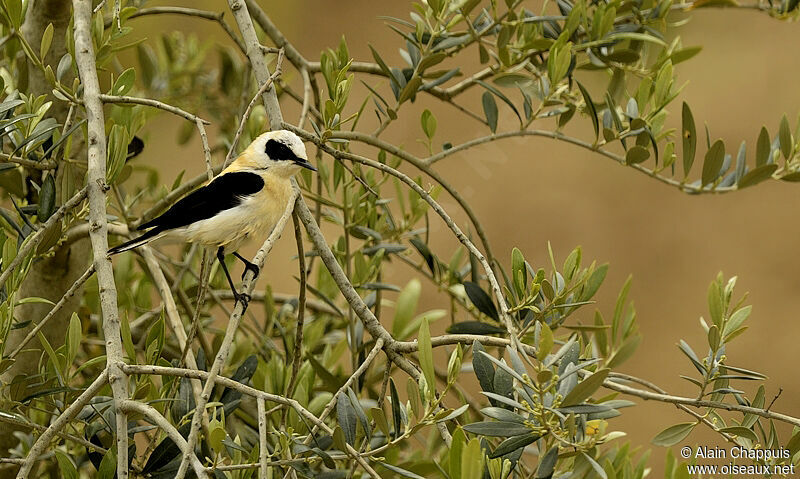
(250, 267)
(243, 298)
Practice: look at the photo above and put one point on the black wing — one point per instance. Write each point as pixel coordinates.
(223, 193)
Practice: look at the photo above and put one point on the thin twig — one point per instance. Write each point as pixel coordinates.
(261, 90)
(132, 100)
(583, 144)
(301, 306)
(306, 106)
(190, 12)
(263, 470)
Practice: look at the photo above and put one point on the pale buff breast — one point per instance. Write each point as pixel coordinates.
(254, 218)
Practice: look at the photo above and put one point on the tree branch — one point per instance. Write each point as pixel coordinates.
(98, 233)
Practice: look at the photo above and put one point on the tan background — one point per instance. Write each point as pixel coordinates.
(528, 192)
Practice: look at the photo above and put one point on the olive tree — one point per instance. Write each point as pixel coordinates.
(123, 371)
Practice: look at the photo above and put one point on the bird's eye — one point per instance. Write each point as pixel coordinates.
(278, 151)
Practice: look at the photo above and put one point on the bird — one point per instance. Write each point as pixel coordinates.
(243, 202)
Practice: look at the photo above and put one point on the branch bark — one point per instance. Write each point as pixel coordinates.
(98, 231)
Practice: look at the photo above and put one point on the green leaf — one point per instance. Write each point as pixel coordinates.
(410, 89)
(47, 39)
(425, 353)
(763, 147)
(713, 162)
(380, 61)
(401, 471)
(482, 367)
(757, 175)
(108, 466)
(673, 434)
(47, 199)
(431, 60)
(500, 95)
(547, 464)
(490, 110)
(124, 83)
(428, 124)
(481, 300)
(545, 342)
(456, 449)
(785, 138)
(472, 460)
(73, 341)
(741, 432)
(15, 14)
(597, 468)
(497, 428)
(586, 388)
(53, 358)
(454, 414)
(513, 443)
(636, 155)
(216, 434)
(689, 135)
(684, 54)
(406, 306)
(117, 152)
(591, 110)
(360, 414)
(736, 319)
(624, 353)
(715, 305)
(65, 465)
(397, 415)
(346, 416)
(63, 66)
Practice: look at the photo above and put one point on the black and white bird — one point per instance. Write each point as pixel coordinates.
(243, 202)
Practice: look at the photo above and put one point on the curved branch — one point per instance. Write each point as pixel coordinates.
(157, 419)
(190, 12)
(132, 100)
(578, 142)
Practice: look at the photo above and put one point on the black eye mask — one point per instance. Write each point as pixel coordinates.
(280, 152)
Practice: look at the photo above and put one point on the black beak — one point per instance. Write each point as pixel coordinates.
(305, 164)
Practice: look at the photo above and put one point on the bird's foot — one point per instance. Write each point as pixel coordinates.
(250, 267)
(243, 298)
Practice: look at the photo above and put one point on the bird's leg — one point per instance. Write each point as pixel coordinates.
(244, 298)
(247, 265)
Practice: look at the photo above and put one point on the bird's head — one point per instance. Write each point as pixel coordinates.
(281, 152)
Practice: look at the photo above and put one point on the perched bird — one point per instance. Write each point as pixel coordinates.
(244, 201)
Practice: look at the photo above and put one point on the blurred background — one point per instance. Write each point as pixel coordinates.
(528, 192)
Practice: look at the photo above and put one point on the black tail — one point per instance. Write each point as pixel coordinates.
(134, 243)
